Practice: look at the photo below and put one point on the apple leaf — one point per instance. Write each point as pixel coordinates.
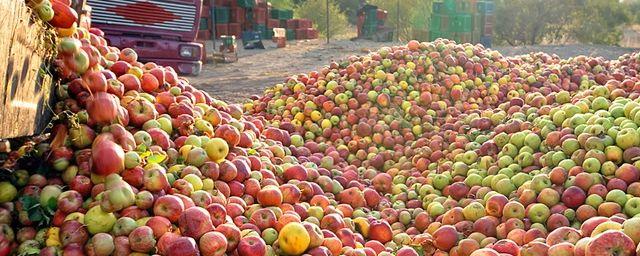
(156, 158)
(52, 204)
(35, 215)
(28, 202)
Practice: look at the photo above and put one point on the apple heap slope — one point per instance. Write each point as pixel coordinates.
(426, 148)
(470, 149)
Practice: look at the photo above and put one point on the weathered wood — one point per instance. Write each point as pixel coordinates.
(25, 86)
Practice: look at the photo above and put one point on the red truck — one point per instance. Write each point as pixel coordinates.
(162, 31)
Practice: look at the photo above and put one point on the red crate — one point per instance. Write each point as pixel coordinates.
(292, 24)
(260, 15)
(204, 35)
(304, 23)
(488, 29)
(301, 33)
(221, 30)
(381, 14)
(312, 33)
(236, 15)
(273, 23)
(205, 13)
(222, 2)
(235, 29)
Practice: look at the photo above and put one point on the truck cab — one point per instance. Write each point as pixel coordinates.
(161, 31)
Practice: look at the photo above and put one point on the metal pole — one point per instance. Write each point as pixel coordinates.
(398, 19)
(327, 14)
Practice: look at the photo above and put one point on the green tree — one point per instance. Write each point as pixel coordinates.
(600, 22)
(522, 22)
(316, 11)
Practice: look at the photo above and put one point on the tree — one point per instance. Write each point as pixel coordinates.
(599, 22)
(315, 10)
(521, 22)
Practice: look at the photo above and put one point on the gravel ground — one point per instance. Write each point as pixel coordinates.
(259, 69)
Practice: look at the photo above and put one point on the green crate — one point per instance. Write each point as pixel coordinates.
(204, 24)
(478, 21)
(228, 40)
(444, 7)
(435, 23)
(369, 30)
(268, 34)
(433, 35)
(275, 13)
(281, 14)
(461, 23)
(221, 14)
(260, 28)
(246, 3)
(291, 35)
(463, 37)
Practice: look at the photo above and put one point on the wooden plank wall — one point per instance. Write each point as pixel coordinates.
(25, 89)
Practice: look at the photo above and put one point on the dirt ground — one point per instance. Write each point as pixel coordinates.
(259, 69)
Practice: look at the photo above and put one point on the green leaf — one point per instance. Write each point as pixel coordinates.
(52, 204)
(28, 202)
(156, 158)
(35, 215)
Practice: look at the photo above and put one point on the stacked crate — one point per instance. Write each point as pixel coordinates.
(280, 17)
(233, 17)
(487, 10)
(370, 21)
(465, 21)
(206, 23)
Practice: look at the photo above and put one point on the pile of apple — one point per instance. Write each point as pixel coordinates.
(422, 149)
(461, 151)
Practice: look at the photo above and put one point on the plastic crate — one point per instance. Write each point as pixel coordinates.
(478, 21)
(267, 34)
(246, 3)
(221, 3)
(236, 15)
(433, 35)
(462, 23)
(291, 35)
(435, 22)
(287, 14)
(304, 23)
(205, 12)
(486, 41)
(487, 30)
(205, 24)
(488, 19)
(301, 33)
(292, 24)
(260, 15)
(221, 14)
(273, 23)
(368, 30)
(204, 35)
(490, 7)
(463, 6)
(261, 28)
(228, 40)
(312, 33)
(222, 30)
(382, 14)
(235, 29)
(251, 36)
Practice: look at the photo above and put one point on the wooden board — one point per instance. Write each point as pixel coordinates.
(25, 85)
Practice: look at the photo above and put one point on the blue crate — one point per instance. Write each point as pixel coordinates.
(248, 36)
(486, 41)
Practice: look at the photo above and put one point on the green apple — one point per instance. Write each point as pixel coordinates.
(98, 221)
(538, 213)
